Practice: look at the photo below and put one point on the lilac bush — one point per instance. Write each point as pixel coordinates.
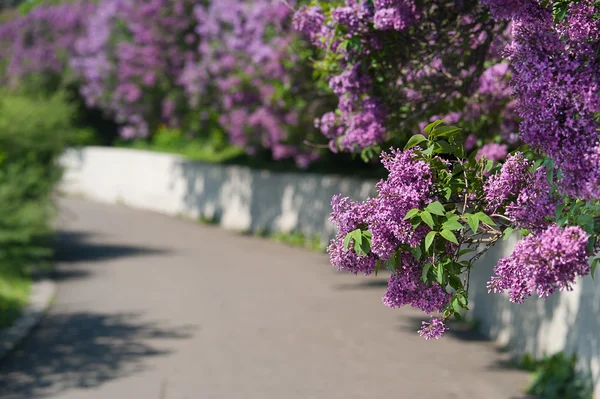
(397, 65)
(441, 208)
(557, 85)
(41, 43)
(496, 105)
(253, 70)
(466, 201)
(130, 60)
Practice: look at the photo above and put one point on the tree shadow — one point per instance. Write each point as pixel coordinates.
(377, 284)
(261, 200)
(456, 329)
(77, 246)
(84, 350)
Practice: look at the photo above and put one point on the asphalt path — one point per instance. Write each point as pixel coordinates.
(153, 307)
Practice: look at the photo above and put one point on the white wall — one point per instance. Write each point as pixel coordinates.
(239, 197)
(568, 320)
(246, 199)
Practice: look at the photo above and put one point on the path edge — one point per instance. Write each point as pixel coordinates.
(41, 297)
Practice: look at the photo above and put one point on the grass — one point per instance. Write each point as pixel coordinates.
(193, 150)
(14, 294)
(293, 239)
(298, 239)
(209, 220)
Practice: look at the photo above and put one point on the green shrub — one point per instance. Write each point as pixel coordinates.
(33, 133)
(557, 377)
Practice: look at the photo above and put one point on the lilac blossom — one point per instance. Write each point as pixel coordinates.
(493, 152)
(434, 329)
(524, 196)
(542, 263)
(42, 42)
(406, 288)
(556, 84)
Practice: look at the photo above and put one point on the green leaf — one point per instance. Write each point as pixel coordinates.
(391, 263)
(431, 127)
(457, 169)
(443, 131)
(347, 239)
(415, 222)
(550, 176)
(591, 244)
(428, 151)
(416, 251)
(465, 251)
(452, 224)
(426, 267)
(448, 235)
(536, 165)
(412, 213)
(457, 316)
(428, 219)
(436, 208)
(447, 193)
(489, 165)
(593, 269)
(365, 247)
(485, 218)
(429, 239)
(357, 237)
(559, 210)
(508, 232)
(414, 141)
(473, 222)
(587, 223)
(455, 305)
(377, 266)
(440, 274)
(455, 282)
(443, 147)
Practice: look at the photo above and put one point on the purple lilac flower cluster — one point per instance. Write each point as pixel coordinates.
(376, 30)
(131, 58)
(148, 63)
(522, 195)
(543, 263)
(492, 152)
(42, 41)
(557, 85)
(408, 186)
(249, 54)
(394, 14)
(433, 330)
(406, 288)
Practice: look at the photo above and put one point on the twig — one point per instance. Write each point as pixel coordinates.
(288, 5)
(308, 143)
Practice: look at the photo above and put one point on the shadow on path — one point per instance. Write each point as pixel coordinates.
(84, 350)
(76, 246)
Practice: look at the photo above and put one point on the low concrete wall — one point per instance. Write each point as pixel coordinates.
(249, 200)
(568, 320)
(238, 197)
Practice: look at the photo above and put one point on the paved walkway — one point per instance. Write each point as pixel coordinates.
(152, 307)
